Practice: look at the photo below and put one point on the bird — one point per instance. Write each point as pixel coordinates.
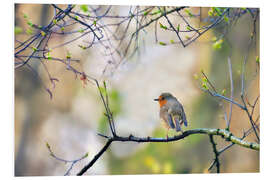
(171, 112)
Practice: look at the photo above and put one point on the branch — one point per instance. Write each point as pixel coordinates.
(155, 19)
(225, 134)
(215, 94)
(214, 146)
(73, 162)
(91, 163)
(177, 33)
(231, 80)
(75, 19)
(246, 133)
(250, 118)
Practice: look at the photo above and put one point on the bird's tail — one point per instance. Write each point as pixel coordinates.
(176, 120)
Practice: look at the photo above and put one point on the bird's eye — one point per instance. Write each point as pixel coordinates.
(162, 98)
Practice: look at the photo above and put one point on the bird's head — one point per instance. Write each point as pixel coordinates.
(163, 98)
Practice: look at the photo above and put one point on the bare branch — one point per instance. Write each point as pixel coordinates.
(231, 80)
(223, 133)
(99, 154)
(216, 161)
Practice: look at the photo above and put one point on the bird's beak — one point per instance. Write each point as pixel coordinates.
(156, 99)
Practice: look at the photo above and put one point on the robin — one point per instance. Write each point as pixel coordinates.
(171, 112)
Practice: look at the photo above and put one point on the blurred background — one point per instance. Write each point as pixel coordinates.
(70, 121)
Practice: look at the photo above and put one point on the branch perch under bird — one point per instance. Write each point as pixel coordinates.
(225, 134)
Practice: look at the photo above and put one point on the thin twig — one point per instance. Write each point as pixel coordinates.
(73, 162)
(231, 80)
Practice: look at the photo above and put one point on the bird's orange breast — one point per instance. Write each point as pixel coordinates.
(162, 102)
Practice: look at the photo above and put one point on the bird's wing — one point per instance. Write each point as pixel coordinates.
(179, 110)
(176, 120)
(166, 116)
(170, 121)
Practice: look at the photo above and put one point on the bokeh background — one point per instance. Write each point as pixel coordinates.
(70, 121)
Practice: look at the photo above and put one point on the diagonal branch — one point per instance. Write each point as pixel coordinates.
(214, 146)
(99, 154)
(215, 94)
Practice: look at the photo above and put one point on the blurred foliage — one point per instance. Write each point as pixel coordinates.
(18, 30)
(84, 8)
(192, 154)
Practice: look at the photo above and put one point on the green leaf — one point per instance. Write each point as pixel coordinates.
(156, 12)
(218, 44)
(145, 13)
(25, 16)
(187, 37)
(178, 27)
(48, 146)
(81, 30)
(172, 41)
(162, 43)
(68, 55)
(86, 155)
(162, 26)
(18, 30)
(188, 28)
(30, 23)
(205, 86)
(218, 10)
(257, 59)
(49, 56)
(76, 17)
(62, 28)
(223, 93)
(210, 12)
(54, 21)
(34, 49)
(189, 13)
(204, 79)
(95, 22)
(83, 47)
(84, 8)
(29, 31)
(226, 19)
(43, 33)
